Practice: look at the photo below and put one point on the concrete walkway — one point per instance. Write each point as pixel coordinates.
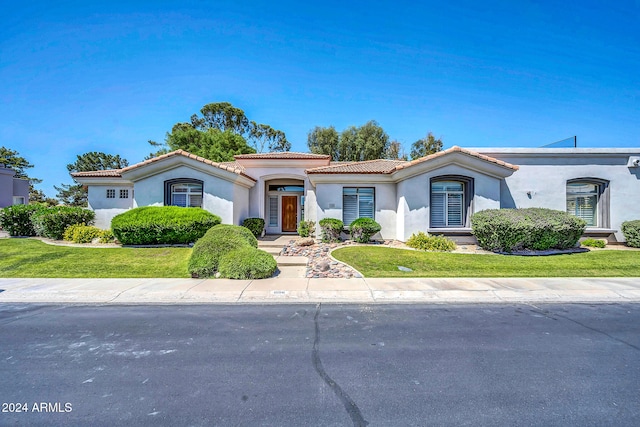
(303, 290)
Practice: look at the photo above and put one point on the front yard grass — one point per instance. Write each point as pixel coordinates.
(384, 262)
(32, 258)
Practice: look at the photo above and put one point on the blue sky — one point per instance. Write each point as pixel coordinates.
(108, 76)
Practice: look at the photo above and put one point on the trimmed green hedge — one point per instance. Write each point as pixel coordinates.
(593, 243)
(218, 241)
(331, 229)
(631, 231)
(81, 233)
(52, 222)
(362, 229)
(508, 230)
(427, 242)
(247, 263)
(157, 225)
(16, 220)
(256, 225)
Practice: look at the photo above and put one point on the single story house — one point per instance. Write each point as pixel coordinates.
(13, 191)
(436, 194)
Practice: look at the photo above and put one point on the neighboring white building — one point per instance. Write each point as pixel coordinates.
(13, 191)
(436, 193)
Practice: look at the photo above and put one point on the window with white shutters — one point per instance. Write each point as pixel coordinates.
(447, 204)
(585, 200)
(357, 202)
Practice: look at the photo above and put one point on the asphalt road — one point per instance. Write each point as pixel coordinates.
(298, 365)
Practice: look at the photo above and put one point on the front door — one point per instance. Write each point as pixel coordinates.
(289, 213)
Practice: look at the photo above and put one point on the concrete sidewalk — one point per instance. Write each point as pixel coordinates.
(303, 290)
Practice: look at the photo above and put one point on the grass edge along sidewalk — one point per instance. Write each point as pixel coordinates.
(22, 258)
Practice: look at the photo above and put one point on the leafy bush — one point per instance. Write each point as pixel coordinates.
(331, 229)
(427, 242)
(507, 230)
(52, 222)
(16, 220)
(218, 241)
(362, 229)
(81, 233)
(631, 231)
(306, 228)
(247, 263)
(593, 243)
(153, 225)
(106, 237)
(256, 225)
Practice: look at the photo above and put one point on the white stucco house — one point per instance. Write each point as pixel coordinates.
(13, 191)
(437, 193)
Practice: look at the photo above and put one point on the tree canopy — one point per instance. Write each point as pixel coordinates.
(220, 132)
(366, 142)
(425, 146)
(76, 194)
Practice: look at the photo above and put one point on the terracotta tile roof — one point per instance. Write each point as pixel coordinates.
(365, 167)
(456, 149)
(283, 155)
(381, 166)
(98, 174)
(228, 166)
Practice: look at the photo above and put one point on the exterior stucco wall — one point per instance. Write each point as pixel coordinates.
(11, 187)
(257, 194)
(218, 194)
(414, 193)
(546, 179)
(328, 199)
(106, 209)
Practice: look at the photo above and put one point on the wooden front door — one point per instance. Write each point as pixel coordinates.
(289, 213)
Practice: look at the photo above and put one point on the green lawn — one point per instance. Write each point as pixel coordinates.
(384, 262)
(32, 258)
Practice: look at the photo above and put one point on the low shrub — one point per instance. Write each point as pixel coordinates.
(508, 230)
(218, 241)
(427, 242)
(631, 231)
(17, 220)
(247, 263)
(331, 229)
(52, 222)
(81, 233)
(362, 229)
(169, 225)
(256, 225)
(106, 237)
(593, 243)
(306, 228)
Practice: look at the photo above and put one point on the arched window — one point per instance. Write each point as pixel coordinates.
(588, 198)
(183, 192)
(451, 198)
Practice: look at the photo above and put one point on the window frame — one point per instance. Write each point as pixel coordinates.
(602, 216)
(357, 195)
(124, 193)
(467, 199)
(111, 193)
(169, 193)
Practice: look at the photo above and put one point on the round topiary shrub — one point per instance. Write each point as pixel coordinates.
(508, 230)
(256, 225)
(17, 220)
(162, 225)
(631, 231)
(427, 242)
(362, 229)
(247, 263)
(51, 222)
(331, 229)
(218, 241)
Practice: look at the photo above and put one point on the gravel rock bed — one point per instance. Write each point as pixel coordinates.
(320, 264)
